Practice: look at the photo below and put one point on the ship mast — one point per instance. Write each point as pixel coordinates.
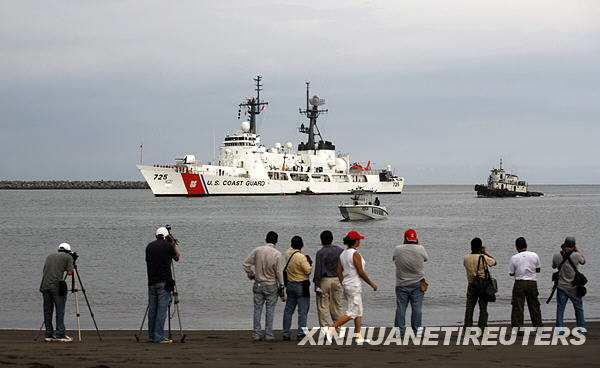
(253, 105)
(312, 113)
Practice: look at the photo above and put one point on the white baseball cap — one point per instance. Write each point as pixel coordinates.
(162, 231)
(64, 246)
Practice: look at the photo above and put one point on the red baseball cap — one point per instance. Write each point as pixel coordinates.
(410, 235)
(355, 235)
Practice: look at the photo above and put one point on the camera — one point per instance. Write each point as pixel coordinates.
(170, 238)
(75, 256)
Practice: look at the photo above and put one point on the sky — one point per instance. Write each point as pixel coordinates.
(440, 90)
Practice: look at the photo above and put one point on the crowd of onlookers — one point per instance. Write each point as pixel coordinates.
(338, 273)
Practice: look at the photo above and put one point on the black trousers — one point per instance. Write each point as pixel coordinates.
(525, 290)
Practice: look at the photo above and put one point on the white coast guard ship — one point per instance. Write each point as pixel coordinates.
(246, 167)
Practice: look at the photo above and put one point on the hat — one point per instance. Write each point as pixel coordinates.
(354, 235)
(569, 242)
(64, 246)
(162, 231)
(410, 235)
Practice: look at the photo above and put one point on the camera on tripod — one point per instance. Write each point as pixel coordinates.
(75, 256)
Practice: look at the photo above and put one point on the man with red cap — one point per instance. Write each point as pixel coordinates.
(409, 258)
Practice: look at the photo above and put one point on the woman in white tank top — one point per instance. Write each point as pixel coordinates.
(350, 272)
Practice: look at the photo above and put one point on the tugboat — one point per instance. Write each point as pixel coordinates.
(363, 207)
(503, 184)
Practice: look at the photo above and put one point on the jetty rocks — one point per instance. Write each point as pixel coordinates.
(68, 184)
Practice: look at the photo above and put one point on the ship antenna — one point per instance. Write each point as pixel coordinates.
(500, 163)
(254, 106)
(312, 114)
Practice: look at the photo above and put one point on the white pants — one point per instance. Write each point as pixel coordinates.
(353, 295)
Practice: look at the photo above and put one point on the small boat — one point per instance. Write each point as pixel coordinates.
(307, 191)
(503, 184)
(363, 207)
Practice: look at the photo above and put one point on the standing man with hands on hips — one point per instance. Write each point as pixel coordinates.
(524, 266)
(410, 279)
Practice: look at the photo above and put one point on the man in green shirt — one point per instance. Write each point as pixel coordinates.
(54, 273)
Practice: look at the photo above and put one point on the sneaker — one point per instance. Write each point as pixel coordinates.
(166, 341)
(286, 338)
(63, 339)
(49, 339)
(419, 331)
(583, 330)
(360, 339)
(329, 334)
(300, 338)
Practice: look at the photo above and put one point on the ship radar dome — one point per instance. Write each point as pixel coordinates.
(289, 145)
(189, 159)
(245, 126)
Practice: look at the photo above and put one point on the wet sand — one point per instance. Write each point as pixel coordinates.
(234, 348)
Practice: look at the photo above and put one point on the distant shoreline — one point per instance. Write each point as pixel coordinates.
(73, 184)
(130, 184)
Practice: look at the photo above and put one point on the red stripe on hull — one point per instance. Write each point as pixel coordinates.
(193, 184)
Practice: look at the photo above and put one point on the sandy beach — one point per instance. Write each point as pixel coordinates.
(234, 348)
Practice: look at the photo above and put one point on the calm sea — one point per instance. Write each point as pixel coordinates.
(110, 229)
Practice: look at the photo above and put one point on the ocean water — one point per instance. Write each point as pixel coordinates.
(110, 229)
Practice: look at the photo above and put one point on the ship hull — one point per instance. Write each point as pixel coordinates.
(363, 212)
(169, 182)
(484, 191)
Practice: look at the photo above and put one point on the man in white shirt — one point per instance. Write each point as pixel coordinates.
(525, 266)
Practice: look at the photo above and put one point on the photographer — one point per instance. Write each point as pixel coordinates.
(473, 269)
(159, 254)
(54, 291)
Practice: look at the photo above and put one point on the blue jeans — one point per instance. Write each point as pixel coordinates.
(158, 304)
(562, 296)
(264, 294)
(295, 298)
(53, 300)
(404, 294)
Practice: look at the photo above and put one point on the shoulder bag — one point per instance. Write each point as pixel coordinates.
(285, 275)
(486, 286)
(579, 281)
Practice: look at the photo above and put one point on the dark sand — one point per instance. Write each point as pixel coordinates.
(234, 348)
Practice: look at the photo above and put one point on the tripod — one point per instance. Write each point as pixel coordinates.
(176, 305)
(175, 300)
(75, 291)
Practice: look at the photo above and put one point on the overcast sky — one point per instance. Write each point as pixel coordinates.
(438, 89)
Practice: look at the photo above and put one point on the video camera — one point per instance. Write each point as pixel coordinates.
(170, 238)
(74, 255)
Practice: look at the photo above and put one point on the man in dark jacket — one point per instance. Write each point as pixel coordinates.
(159, 254)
